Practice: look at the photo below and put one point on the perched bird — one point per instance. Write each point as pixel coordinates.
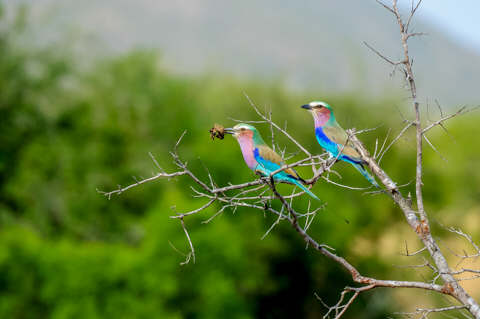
(261, 158)
(332, 137)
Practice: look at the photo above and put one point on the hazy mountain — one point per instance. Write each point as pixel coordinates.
(314, 44)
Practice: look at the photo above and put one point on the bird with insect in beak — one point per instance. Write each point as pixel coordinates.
(259, 157)
(333, 138)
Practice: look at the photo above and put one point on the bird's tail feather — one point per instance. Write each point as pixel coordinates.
(301, 180)
(366, 174)
(306, 190)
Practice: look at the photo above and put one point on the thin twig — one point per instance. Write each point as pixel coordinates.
(192, 250)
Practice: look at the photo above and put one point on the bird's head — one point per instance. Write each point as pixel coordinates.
(242, 130)
(321, 111)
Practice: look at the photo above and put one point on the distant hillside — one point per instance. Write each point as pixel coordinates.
(310, 44)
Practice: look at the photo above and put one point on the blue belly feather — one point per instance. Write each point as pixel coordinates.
(329, 145)
(332, 147)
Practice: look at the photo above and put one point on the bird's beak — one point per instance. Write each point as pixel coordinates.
(229, 130)
(306, 106)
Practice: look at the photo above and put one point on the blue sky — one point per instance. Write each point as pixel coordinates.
(460, 19)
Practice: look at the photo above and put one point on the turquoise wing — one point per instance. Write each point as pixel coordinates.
(269, 161)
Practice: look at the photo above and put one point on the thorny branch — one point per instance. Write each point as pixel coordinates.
(258, 194)
(423, 313)
(417, 219)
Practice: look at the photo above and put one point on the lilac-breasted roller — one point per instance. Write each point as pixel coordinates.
(259, 157)
(333, 138)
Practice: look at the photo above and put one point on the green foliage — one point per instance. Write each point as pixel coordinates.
(68, 252)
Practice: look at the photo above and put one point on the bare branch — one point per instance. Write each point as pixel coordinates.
(416, 34)
(423, 312)
(469, 239)
(276, 126)
(192, 250)
(195, 210)
(156, 163)
(405, 128)
(385, 6)
(381, 55)
(461, 111)
(434, 148)
(412, 13)
(150, 179)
